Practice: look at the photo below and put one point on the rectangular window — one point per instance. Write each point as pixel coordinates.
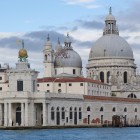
(74, 71)
(52, 115)
(0, 88)
(48, 90)
(38, 85)
(70, 84)
(48, 85)
(19, 85)
(80, 115)
(36, 114)
(59, 84)
(63, 115)
(81, 84)
(67, 119)
(71, 115)
(0, 78)
(55, 72)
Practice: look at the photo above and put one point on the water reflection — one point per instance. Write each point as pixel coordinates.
(73, 134)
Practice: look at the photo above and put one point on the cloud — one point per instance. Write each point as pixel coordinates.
(83, 34)
(73, 2)
(93, 6)
(91, 24)
(90, 4)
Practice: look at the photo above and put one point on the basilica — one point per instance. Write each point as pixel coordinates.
(109, 94)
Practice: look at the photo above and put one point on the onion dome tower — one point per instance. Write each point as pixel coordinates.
(111, 58)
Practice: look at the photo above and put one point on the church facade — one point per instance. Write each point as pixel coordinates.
(109, 95)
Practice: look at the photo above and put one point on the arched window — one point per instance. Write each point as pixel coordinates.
(108, 75)
(101, 109)
(88, 108)
(132, 96)
(45, 57)
(102, 76)
(59, 90)
(125, 109)
(114, 109)
(125, 77)
(71, 114)
(18, 109)
(136, 109)
(80, 113)
(63, 113)
(90, 74)
(52, 113)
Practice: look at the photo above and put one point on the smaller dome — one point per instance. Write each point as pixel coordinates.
(22, 53)
(68, 58)
(110, 17)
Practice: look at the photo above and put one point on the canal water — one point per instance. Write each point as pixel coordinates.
(132, 133)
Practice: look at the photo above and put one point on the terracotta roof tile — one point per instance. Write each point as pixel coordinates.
(63, 80)
(115, 99)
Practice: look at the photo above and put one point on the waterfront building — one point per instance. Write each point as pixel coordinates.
(109, 95)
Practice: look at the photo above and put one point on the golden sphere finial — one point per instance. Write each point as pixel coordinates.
(22, 54)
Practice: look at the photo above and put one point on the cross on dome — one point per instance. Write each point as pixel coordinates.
(110, 10)
(48, 38)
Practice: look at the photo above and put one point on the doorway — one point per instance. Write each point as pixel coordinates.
(116, 121)
(18, 115)
(58, 116)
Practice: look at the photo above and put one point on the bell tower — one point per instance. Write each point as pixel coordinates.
(110, 24)
(48, 59)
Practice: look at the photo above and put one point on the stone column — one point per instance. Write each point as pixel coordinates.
(10, 116)
(22, 114)
(5, 114)
(44, 114)
(26, 114)
(1, 114)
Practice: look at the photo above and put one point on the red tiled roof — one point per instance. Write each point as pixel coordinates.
(64, 80)
(115, 99)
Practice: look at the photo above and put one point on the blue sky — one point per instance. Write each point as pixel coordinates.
(32, 20)
(30, 15)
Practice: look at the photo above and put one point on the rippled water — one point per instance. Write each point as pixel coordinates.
(73, 134)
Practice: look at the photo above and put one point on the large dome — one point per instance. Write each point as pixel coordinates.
(111, 46)
(68, 58)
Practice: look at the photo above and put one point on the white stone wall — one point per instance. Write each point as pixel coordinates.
(99, 89)
(27, 77)
(96, 66)
(48, 69)
(68, 70)
(76, 88)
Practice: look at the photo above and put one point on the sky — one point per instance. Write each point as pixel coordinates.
(33, 20)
